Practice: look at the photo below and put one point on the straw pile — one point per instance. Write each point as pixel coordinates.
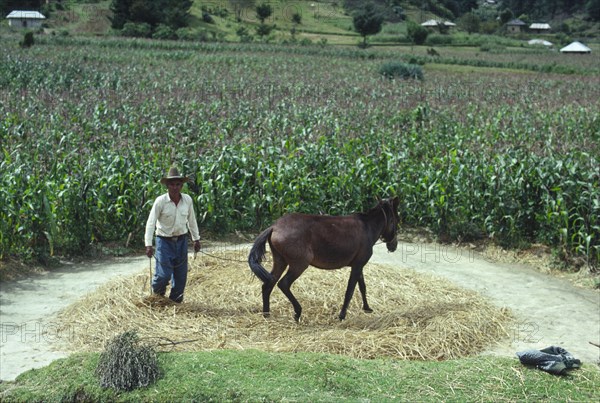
(415, 316)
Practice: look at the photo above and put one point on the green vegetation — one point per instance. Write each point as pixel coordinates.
(401, 70)
(87, 126)
(28, 40)
(307, 21)
(254, 376)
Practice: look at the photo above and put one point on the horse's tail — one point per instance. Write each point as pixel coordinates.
(257, 253)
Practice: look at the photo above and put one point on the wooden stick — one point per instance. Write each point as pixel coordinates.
(150, 278)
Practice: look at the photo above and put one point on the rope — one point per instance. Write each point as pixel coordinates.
(168, 342)
(223, 258)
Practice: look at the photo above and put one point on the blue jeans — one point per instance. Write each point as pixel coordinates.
(171, 265)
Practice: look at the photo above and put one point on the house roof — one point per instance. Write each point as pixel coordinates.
(576, 47)
(516, 21)
(29, 15)
(537, 25)
(435, 23)
(430, 23)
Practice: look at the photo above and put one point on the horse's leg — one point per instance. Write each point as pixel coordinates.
(286, 283)
(267, 288)
(279, 266)
(363, 292)
(355, 275)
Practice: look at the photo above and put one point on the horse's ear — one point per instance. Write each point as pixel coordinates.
(396, 202)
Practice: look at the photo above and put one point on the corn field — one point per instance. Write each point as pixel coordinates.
(88, 127)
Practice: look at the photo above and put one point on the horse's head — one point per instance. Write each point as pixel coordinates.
(390, 228)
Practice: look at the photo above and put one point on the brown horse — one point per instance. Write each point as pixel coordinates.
(326, 242)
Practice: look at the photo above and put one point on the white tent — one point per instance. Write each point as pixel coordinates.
(576, 47)
(539, 42)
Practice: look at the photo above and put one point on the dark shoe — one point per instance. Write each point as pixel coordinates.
(178, 300)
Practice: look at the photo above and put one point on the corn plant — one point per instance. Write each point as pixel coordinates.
(88, 127)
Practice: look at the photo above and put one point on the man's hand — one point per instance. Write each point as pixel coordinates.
(197, 246)
(149, 251)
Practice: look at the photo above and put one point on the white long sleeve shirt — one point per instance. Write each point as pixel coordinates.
(168, 219)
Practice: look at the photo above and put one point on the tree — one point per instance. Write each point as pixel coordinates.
(593, 9)
(297, 19)
(367, 22)
(467, 6)
(149, 12)
(470, 22)
(264, 30)
(178, 14)
(121, 15)
(506, 16)
(416, 33)
(172, 13)
(263, 11)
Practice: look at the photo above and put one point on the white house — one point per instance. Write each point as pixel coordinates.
(539, 27)
(25, 19)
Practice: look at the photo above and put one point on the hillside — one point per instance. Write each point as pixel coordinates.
(322, 21)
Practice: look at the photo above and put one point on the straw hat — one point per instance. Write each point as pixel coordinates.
(174, 174)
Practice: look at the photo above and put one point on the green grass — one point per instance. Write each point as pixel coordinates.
(252, 376)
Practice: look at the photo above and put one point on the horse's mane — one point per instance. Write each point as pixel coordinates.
(371, 211)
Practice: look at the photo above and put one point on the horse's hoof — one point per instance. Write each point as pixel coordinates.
(297, 318)
(367, 310)
(266, 314)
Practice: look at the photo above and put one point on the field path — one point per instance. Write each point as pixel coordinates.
(549, 310)
(28, 330)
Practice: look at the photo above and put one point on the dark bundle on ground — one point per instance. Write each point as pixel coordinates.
(127, 364)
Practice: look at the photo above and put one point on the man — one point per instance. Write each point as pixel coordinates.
(171, 217)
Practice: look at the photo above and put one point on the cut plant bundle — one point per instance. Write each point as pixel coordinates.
(127, 363)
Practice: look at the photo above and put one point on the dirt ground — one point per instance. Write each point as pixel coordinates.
(550, 310)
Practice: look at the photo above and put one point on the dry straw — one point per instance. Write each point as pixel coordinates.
(415, 316)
